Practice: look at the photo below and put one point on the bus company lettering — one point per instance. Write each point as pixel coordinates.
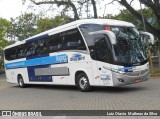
(13, 65)
(77, 57)
(61, 58)
(105, 77)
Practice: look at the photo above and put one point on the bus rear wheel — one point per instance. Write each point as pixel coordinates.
(21, 82)
(83, 82)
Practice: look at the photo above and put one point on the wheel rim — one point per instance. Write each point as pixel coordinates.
(83, 82)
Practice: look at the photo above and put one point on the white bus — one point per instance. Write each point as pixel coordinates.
(85, 53)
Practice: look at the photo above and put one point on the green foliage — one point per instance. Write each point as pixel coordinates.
(44, 24)
(24, 26)
(148, 13)
(29, 24)
(125, 15)
(4, 27)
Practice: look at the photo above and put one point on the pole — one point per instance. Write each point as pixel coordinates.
(144, 25)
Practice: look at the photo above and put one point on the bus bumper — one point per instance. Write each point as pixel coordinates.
(130, 78)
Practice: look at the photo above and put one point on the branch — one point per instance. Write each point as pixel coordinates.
(148, 3)
(110, 2)
(60, 3)
(81, 3)
(131, 2)
(149, 27)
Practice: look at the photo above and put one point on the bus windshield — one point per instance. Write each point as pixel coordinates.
(129, 48)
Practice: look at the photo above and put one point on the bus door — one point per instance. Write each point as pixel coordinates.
(103, 59)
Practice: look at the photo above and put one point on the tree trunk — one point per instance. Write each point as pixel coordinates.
(94, 8)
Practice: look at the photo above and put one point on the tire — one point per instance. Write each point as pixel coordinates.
(83, 82)
(21, 82)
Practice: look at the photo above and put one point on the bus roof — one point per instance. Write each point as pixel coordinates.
(74, 24)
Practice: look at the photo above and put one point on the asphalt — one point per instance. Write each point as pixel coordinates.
(141, 96)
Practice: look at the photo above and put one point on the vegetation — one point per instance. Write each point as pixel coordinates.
(125, 15)
(76, 6)
(4, 26)
(154, 6)
(29, 24)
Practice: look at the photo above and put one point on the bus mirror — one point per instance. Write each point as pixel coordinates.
(147, 37)
(110, 34)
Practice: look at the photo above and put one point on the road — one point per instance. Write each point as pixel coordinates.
(142, 96)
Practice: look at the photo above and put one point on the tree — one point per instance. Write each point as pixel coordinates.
(4, 27)
(65, 3)
(23, 26)
(44, 24)
(154, 5)
(125, 15)
(94, 8)
(76, 5)
(29, 24)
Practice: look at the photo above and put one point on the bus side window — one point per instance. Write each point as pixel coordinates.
(55, 43)
(12, 53)
(74, 41)
(30, 50)
(40, 49)
(20, 52)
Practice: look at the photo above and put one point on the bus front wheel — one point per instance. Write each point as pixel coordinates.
(83, 82)
(21, 82)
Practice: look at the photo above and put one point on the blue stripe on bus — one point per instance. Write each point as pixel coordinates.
(38, 61)
(37, 38)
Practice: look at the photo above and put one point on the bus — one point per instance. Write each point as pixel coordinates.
(84, 53)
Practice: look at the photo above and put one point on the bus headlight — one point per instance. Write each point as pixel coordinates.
(115, 70)
(118, 71)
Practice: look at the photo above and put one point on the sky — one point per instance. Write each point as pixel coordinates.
(14, 8)
(10, 8)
